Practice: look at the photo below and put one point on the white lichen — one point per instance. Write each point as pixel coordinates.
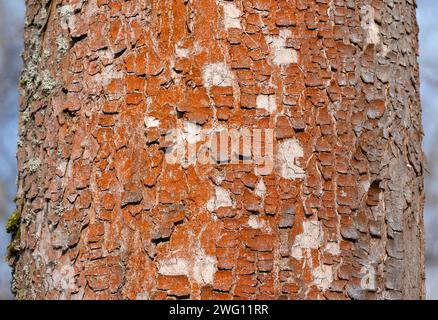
(217, 74)
(183, 143)
(201, 268)
(310, 238)
(151, 122)
(182, 52)
(34, 164)
(288, 151)
(267, 102)
(109, 73)
(64, 278)
(369, 25)
(47, 82)
(62, 45)
(333, 248)
(220, 198)
(173, 267)
(368, 279)
(142, 296)
(322, 276)
(204, 267)
(232, 15)
(281, 54)
(260, 188)
(256, 222)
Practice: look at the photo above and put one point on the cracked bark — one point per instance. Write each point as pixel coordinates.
(105, 216)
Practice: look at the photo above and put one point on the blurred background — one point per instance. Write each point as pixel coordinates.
(427, 19)
(11, 45)
(11, 29)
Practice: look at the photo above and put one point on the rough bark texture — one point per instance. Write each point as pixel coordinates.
(105, 215)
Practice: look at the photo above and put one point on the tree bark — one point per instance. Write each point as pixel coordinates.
(322, 198)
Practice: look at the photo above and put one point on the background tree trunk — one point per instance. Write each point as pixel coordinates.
(106, 214)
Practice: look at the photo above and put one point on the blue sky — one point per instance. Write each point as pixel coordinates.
(427, 14)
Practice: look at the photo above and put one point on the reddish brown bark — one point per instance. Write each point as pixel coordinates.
(333, 212)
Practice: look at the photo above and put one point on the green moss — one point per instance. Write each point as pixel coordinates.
(13, 223)
(23, 83)
(13, 247)
(13, 227)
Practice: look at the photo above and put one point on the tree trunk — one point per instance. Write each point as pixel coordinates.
(252, 149)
